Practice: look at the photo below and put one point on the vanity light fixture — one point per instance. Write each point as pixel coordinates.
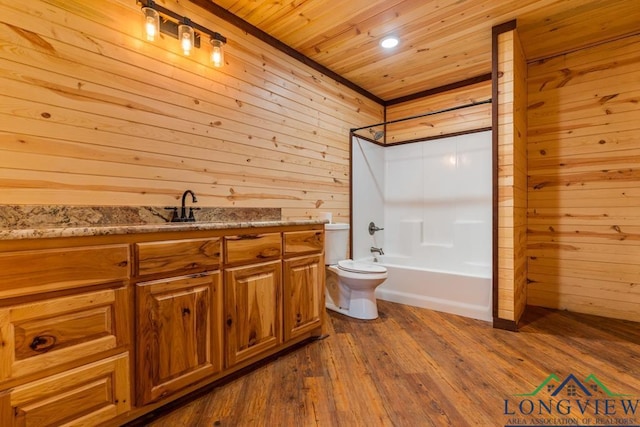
(389, 42)
(160, 19)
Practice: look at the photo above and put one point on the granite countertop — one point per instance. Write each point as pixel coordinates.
(100, 230)
(19, 222)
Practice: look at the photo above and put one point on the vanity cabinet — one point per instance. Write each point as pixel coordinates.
(202, 303)
(179, 333)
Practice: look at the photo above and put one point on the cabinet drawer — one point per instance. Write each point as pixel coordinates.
(296, 242)
(45, 334)
(89, 395)
(29, 272)
(252, 247)
(178, 255)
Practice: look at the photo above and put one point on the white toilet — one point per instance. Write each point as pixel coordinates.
(351, 285)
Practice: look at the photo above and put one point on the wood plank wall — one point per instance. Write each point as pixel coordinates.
(584, 186)
(91, 114)
(454, 122)
(512, 177)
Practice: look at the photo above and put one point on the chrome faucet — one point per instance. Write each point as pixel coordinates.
(378, 250)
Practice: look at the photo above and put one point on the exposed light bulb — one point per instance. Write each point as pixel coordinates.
(151, 23)
(186, 36)
(217, 54)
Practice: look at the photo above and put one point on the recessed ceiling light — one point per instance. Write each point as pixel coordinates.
(389, 42)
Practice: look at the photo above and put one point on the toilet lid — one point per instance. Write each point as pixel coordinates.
(360, 267)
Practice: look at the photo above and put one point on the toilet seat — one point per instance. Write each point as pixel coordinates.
(360, 267)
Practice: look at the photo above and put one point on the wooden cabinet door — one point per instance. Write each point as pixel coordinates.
(179, 333)
(252, 310)
(303, 295)
(86, 396)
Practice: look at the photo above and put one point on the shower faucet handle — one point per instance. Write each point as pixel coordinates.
(373, 228)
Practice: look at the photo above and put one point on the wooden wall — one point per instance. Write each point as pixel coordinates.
(512, 177)
(584, 186)
(90, 114)
(457, 121)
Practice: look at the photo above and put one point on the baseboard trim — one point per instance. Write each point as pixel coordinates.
(508, 325)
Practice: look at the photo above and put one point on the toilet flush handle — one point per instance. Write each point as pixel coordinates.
(373, 228)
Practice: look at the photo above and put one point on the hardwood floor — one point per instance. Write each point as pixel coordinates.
(416, 367)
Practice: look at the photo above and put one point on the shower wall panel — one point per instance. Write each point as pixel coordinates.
(433, 199)
(368, 177)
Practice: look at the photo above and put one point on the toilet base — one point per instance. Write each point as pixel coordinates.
(362, 305)
(352, 294)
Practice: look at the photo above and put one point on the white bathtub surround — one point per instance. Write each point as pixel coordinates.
(436, 210)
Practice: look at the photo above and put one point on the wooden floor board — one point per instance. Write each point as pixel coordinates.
(417, 367)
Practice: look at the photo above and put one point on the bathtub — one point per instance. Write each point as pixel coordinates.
(465, 294)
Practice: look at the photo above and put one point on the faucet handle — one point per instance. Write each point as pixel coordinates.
(373, 228)
(191, 217)
(174, 213)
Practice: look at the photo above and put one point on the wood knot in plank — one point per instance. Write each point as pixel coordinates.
(607, 98)
(32, 38)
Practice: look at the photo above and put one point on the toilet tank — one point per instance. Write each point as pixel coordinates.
(336, 242)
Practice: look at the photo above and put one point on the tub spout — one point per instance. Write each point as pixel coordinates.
(378, 250)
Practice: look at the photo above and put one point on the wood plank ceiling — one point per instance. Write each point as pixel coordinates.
(441, 41)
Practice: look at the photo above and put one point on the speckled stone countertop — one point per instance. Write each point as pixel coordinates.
(39, 222)
(42, 233)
